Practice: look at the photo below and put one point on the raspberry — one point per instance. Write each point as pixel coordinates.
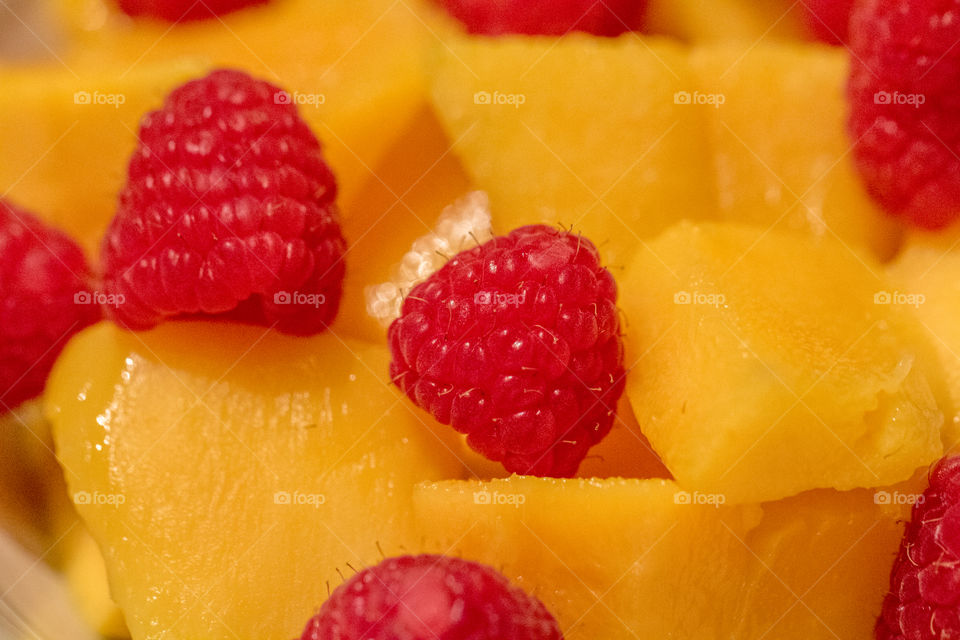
(828, 20)
(44, 299)
(183, 10)
(904, 75)
(431, 597)
(516, 343)
(548, 17)
(924, 598)
(228, 211)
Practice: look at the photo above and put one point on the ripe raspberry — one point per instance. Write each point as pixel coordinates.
(828, 19)
(903, 93)
(228, 210)
(44, 299)
(431, 598)
(516, 343)
(183, 10)
(548, 17)
(924, 598)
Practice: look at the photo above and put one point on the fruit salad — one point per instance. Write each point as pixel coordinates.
(480, 320)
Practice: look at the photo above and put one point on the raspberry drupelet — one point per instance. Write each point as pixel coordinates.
(229, 210)
(516, 343)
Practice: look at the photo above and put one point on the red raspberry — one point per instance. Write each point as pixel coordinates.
(431, 598)
(903, 90)
(228, 210)
(548, 17)
(183, 10)
(924, 598)
(828, 20)
(516, 343)
(44, 299)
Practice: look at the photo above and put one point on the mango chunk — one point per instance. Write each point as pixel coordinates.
(779, 143)
(926, 280)
(579, 131)
(623, 559)
(766, 364)
(215, 463)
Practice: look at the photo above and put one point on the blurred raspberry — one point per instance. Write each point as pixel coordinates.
(548, 17)
(904, 95)
(183, 10)
(45, 297)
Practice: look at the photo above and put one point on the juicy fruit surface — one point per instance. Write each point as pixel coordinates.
(553, 17)
(229, 208)
(44, 299)
(766, 364)
(516, 344)
(619, 559)
(177, 10)
(618, 178)
(281, 459)
(431, 596)
(65, 155)
(327, 55)
(922, 603)
(902, 94)
(780, 152)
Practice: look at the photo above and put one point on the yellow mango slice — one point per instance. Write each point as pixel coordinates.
(780, 148)
(621, 559)
(229, 473)
(578, 131)
(765, 364)
(926, 279)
